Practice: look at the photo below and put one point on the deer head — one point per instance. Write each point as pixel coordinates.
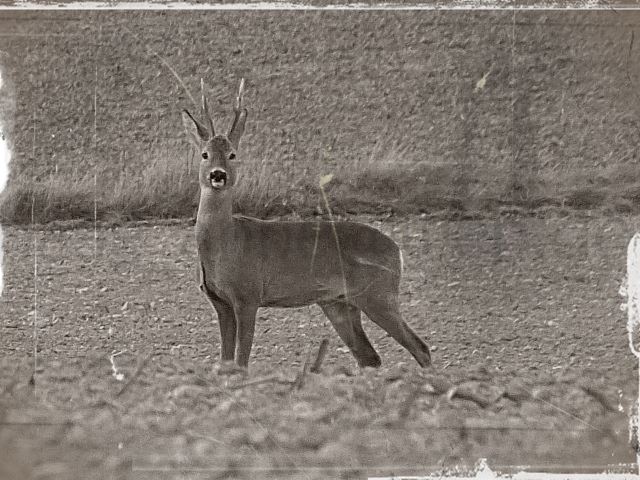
(218, 152)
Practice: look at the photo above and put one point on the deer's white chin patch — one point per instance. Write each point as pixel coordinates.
(217, 184)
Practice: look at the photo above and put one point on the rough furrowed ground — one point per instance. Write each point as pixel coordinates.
(532, 365)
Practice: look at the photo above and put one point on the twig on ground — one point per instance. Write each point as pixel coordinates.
(141, 364)
(192, 434)
(457, 392)
(600, 397)
(259, 381)
(105, 402)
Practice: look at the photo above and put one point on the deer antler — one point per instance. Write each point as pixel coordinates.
(205, 109)
(237, 128)
(238, 106)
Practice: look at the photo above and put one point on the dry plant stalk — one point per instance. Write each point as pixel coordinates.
(322, 353)
(299, 381)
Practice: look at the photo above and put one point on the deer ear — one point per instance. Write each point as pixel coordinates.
(196, 132)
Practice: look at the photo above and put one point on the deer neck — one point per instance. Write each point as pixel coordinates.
(214, 222)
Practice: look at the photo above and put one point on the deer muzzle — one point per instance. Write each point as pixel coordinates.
(218, 178)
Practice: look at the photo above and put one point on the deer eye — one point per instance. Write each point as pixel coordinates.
(205, 155)
(232, 156)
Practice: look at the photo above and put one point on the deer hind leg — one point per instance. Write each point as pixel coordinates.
(384, 311)
(346, 319)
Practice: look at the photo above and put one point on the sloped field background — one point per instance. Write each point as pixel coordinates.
(524, 108)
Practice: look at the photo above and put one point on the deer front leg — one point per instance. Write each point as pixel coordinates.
(246, 323)
(227, 323)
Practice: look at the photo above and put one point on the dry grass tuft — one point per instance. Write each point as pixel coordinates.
(167, 188)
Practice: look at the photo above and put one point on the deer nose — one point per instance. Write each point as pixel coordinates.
(218, 177)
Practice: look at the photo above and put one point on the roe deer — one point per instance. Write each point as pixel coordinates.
(245, 263)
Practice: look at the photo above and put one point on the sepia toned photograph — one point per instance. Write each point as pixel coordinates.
(271, 242)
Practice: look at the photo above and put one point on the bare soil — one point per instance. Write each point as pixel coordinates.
(531, 361)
